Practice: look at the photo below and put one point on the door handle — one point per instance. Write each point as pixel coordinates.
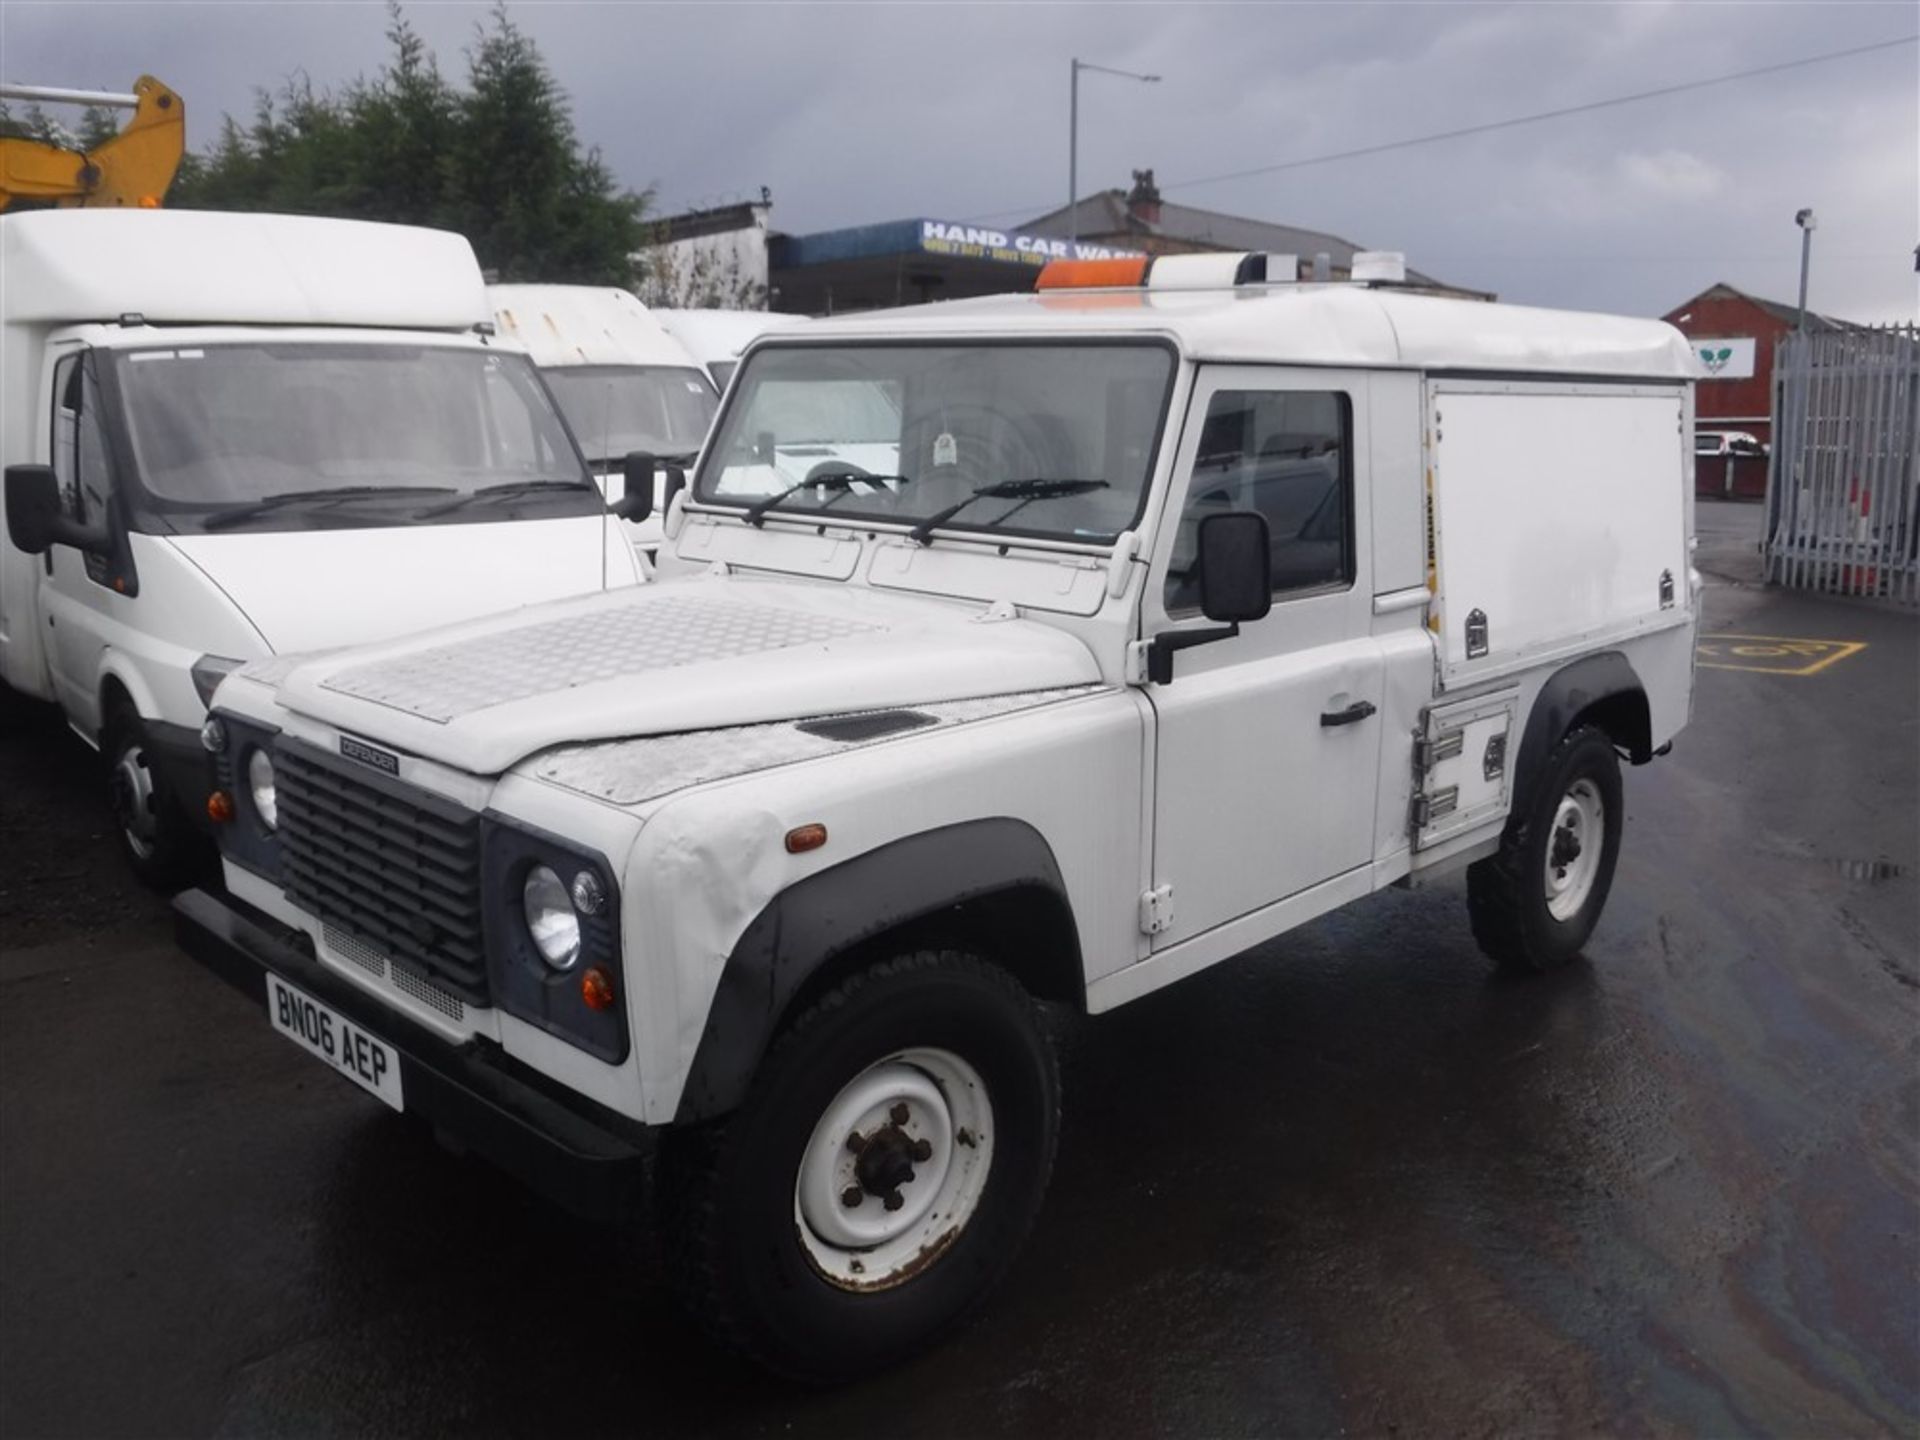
(1357, 711)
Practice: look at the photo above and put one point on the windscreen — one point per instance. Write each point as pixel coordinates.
(616, 409)
(1066, 432)
(235, 424)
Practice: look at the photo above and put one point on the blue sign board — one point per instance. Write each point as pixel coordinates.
(935, 237)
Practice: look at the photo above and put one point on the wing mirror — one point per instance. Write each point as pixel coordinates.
(1236, 567)
(1236, 586)
(36, 521)
(636, 473)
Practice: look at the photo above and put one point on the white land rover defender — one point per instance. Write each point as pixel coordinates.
(1182, 611)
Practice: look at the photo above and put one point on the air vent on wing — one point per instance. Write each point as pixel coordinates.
(851, 729)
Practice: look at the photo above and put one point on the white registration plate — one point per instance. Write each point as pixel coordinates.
(364, 1059)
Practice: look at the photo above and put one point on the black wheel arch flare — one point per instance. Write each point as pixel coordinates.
(1603, 688)
(996, 878)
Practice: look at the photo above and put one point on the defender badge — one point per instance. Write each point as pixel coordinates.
(367, 755)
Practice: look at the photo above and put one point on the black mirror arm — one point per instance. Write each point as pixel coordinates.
(1161, 649)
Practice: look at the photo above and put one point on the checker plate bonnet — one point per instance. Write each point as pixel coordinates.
(671, 657)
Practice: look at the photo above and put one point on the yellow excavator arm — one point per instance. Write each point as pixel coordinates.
(135, 167)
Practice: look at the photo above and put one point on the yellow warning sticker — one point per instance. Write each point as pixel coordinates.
(1774, 654)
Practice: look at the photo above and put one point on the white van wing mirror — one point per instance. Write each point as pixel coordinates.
(36, 521)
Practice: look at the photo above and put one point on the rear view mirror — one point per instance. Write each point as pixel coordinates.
(1236, 567)
(636, 473)
(676, 482)
(35, 519)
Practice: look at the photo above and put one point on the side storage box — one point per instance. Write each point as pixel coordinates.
(1559, 520)
(1462, 766)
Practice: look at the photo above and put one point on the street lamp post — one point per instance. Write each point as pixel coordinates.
(1073, 136)
(1805, 220)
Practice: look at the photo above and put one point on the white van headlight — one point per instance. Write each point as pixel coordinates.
(260, 786)
(551, 919)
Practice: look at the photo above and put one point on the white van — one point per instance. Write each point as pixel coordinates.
(716, 338)
(633, 394)
(1199, 607)
(234, 436)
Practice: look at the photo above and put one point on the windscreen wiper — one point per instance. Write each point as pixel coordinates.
(840, 480)
(221, 519)
(503, 491)
(1025, 491)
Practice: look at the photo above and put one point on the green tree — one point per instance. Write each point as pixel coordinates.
(499, 161)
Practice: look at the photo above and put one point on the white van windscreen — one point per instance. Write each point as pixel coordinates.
(615, 410)
(308, 428)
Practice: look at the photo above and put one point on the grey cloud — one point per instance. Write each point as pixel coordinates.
(860, 113)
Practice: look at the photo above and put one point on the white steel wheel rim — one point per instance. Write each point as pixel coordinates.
(916, 1127)
(133, 800)
(1574, 845)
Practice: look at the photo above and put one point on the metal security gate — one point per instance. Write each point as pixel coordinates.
(1843, 488)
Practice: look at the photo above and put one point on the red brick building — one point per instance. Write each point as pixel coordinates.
(1741, 398)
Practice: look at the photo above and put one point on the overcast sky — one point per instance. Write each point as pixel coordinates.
(856, 113)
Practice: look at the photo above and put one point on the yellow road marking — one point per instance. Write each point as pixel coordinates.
(1762, 653)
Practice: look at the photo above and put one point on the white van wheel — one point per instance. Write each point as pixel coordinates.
(153, 833)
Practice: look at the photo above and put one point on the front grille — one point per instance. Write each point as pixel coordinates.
(375, 964)
(391, 866)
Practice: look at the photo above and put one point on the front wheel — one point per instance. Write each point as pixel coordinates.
(881, 1175)
(1535, 901)
(153, 831)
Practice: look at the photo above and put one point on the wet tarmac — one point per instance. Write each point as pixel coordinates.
(1348, 1183)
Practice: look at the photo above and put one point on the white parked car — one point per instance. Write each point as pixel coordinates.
(1718, 443)
(1190, 615)
(234, 436)
(634, 396)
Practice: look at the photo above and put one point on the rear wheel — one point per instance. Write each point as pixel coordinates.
(881, 1175)
(1535, 902)
(153, 831)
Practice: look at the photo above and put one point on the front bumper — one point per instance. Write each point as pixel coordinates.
(590, 1163)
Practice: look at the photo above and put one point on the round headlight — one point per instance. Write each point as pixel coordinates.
(260, 786)
(551, 920)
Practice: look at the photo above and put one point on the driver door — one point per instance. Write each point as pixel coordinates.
(77, 594)
(1268, 744)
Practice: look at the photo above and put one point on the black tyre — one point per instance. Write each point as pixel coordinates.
(1535, 901)
(153, 831)
(881, 1175)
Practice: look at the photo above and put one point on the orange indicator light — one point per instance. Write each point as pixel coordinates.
(803, 838)
(219, 807)
(596, 989)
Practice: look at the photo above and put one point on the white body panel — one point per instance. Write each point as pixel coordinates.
(1557, 512)
(202, 267)
(583, 325)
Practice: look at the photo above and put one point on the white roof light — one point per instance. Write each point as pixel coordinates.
(1379, 267)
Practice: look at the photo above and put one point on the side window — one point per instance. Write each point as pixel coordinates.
(79, 441)
(1287, 455)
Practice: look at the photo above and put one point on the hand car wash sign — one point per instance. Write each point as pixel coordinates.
(970, 242)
